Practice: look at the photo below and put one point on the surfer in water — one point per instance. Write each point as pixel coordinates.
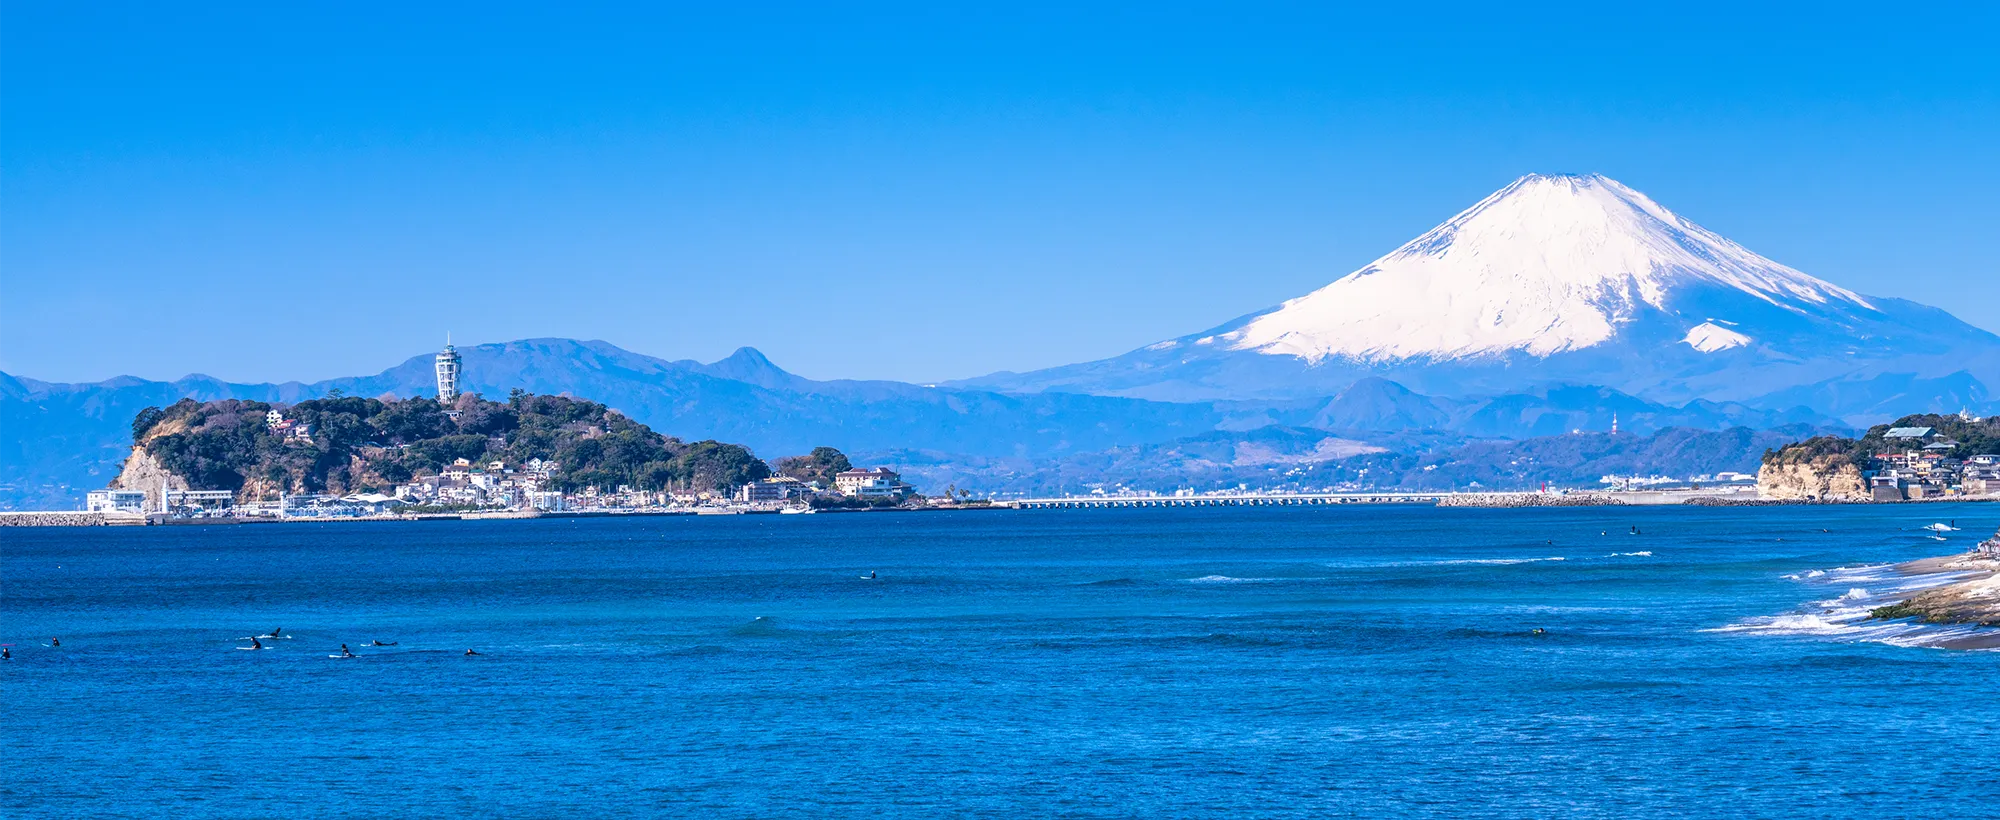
(256, 644)
(6, 654)
(55, 642)
(344, 652)
(277, 632)
(470, 652)
(1539, 631)
(379, 643)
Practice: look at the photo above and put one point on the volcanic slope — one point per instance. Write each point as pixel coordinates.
(1557, 279)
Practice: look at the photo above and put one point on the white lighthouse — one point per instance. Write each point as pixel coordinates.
(447, 373)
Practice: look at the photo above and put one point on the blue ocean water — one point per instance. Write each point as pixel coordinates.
(1258, 662)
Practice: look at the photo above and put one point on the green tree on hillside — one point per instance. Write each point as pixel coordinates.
(818, 467)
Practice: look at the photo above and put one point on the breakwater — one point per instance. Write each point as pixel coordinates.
(66, 519)
(1508, 500)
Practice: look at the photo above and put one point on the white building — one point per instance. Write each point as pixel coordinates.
(119, 501)
(776, 488)
(375, 503)
(871, 483)
(200, 499)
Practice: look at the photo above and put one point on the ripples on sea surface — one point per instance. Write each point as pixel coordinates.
(1094, 663)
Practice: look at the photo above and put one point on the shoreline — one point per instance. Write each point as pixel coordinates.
(1493, 500)
(1968, 596)
(51, 518)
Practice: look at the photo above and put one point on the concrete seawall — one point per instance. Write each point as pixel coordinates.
(68, 519)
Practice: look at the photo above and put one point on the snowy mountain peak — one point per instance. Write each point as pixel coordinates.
(1709, 337)
(1548, 264)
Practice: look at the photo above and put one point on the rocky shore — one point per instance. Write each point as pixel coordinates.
(1972, 599)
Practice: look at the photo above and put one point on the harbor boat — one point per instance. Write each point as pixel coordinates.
(796, 511)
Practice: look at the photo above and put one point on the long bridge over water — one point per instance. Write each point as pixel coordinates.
(1228, 500)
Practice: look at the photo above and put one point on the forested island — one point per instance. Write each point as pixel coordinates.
(343, 444)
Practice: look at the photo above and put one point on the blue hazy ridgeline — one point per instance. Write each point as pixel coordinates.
(1118, 663)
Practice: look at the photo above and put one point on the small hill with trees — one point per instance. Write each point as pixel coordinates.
(816, 468)
(353, 444)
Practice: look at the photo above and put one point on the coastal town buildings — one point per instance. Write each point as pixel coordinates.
(1923, 468)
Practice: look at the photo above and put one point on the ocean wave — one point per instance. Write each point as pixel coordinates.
(1848, 617)
(761, 627)
(1788, 624)
(1487, 561)
(1639, 554)
(1224, 579)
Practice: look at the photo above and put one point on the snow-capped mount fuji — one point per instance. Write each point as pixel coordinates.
(1547, 265)
(1554, 278)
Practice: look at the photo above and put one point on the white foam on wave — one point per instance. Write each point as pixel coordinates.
(1639, 554)
(1224, 579)
(1847, 617)
(1789, 624)
(1490, 561)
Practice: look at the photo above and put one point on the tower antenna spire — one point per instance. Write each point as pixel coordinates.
(447, 375)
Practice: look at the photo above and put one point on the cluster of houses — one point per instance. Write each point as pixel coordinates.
(288, 429)
(496, 486)
(1923, 468)
(493, 484)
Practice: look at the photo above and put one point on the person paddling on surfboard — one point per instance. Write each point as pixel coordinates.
(6, 654)
(379, 643)
(55, 642)
(255, 644)
(470, 652)
(344, 651)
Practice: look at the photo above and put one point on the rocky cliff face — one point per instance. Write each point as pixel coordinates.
(1827, 477)
(143, 472)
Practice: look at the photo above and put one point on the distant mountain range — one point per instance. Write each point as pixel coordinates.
(57, 440)
(1556, 305)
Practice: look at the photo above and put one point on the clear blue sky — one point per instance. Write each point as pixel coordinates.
(280, 191)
